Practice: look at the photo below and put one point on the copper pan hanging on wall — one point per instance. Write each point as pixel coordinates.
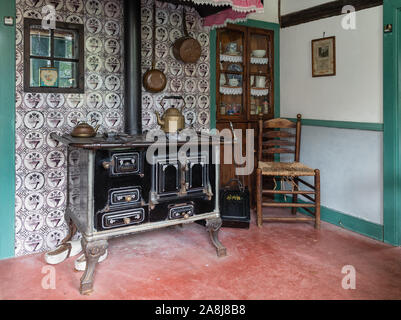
(186, 48)
(154, 80)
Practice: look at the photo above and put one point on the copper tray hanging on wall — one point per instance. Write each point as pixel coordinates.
(154, 80)
(186, 48)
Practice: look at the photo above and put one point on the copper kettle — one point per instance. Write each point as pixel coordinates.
(84, 130)
(173, 120)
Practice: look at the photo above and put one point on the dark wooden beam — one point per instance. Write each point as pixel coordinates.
(325, 10)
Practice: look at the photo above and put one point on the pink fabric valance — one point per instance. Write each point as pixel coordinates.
(239, 11)
(236, 5)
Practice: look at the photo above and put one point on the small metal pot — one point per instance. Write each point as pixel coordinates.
(84, 130)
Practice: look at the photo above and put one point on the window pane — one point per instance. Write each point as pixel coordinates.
(40, 41)
(34, 72)
(65, 44)
(67, 73)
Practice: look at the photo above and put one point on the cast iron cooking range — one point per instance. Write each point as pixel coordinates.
(113, 191)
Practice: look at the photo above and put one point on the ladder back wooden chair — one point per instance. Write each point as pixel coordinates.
(277, 136)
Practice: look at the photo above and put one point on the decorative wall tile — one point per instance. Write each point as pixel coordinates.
(41, 161)
(191, 81)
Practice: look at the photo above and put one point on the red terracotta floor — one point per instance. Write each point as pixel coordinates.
(277, 261)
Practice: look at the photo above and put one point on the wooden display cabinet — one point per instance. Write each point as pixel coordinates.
(231, 74)
(260, 59)
(245, 84)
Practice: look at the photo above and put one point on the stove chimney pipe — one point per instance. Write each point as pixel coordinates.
(132, 67)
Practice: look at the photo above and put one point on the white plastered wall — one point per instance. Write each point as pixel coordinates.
(351, 161)
(270, 13)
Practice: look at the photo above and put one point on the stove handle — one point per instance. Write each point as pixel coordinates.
(184, 183)
(106, 165)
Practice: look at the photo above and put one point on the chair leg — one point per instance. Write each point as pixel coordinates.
(295, 198)
(317, 199)
(259, 220)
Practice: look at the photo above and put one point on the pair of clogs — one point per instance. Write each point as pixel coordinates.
(69, 249)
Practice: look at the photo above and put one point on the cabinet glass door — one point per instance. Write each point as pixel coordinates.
(260, 73)
(231, 73)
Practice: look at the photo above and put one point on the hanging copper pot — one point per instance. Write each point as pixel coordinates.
(186, 48)
(154, 80)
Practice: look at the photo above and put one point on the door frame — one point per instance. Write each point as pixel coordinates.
(7, 131)
(392, 123)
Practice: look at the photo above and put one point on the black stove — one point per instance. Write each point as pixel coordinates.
(115, 188)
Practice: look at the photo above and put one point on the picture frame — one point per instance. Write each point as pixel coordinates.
(324, 57)
(48, 77)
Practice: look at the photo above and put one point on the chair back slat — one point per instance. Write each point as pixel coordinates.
(279, 123)
(279, 136)
(277, 150)
(278, 142)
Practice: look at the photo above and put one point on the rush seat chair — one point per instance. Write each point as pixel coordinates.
(277, 137)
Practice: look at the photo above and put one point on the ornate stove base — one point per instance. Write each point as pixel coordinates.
(213, 226)
(93, 250)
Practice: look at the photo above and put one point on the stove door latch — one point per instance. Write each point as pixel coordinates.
(106, 165)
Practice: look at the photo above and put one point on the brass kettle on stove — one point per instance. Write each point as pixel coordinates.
(84, 130)
(172, 120)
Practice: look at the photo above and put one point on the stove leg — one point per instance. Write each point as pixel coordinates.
(92, 250)
(72, 230)
(213, 226)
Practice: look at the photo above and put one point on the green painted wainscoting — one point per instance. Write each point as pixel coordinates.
(7, 130)
(249, 23)
(367, 126)
(343, 220)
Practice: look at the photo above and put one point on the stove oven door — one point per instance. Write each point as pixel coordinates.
(168, 178)
(172, 179)
(197, 173)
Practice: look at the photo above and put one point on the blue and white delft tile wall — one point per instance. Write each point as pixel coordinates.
(40, 161)
(191, 81)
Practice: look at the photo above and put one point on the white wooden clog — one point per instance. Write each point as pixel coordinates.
(63, 251)
(80, 263)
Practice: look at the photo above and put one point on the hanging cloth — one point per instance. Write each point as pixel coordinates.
(239, 11)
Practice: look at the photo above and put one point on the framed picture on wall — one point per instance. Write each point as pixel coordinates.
(324, 57)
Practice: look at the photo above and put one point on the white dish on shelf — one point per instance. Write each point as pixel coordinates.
(258, 53)
(233, 82)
